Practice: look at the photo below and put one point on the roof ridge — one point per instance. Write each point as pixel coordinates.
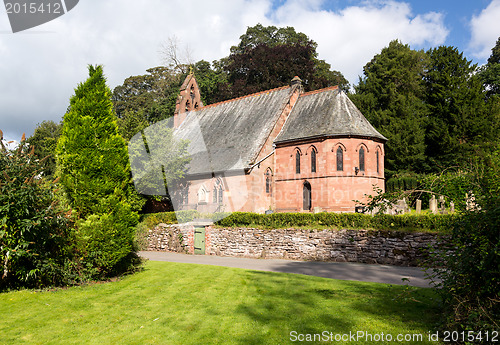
(242, 97)
(335, 87)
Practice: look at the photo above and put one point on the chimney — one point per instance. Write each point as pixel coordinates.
(296, 81)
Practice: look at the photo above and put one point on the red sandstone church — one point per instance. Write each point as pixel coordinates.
(282, 150)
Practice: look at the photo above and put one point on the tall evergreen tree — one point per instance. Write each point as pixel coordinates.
(391, 96)
(94, 170)
(458, 119)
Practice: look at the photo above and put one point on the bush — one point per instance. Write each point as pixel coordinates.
(34, 230)
(406, 222)
(104, 241)
(470, 285)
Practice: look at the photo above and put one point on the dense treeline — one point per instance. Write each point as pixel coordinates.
(435, 107)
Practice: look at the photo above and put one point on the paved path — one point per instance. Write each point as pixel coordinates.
(336, 270)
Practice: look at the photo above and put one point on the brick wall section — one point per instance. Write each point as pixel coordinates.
(373, 247)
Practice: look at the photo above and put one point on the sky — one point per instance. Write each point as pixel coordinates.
(41, 67)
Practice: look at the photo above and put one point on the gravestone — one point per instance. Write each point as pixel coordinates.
(433, 205)
(419, 206)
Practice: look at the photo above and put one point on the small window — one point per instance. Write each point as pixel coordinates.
(362, 159)
(297, 162)
(268, 182)
(340, 159)
(185, 195)
(313, 161)
(218, 194)
(378, 164)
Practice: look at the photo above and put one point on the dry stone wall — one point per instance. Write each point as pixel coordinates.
(374, 247)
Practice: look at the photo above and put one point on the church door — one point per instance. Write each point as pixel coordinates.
(306, 200)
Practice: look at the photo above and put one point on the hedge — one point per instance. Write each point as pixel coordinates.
(405, 222)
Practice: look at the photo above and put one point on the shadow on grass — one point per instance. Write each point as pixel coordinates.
(308, 305)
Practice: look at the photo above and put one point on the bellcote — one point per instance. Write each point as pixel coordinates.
(189, 99)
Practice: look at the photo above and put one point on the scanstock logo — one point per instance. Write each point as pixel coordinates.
(26, 14)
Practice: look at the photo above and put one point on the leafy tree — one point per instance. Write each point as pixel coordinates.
(212, 82)
(490, 73)
(268, 57)
(94, 170)
(34, 230)
(131, 123)
(392, 97)
(44, 141)
(270, 36)
(154, 93)
(458, 118)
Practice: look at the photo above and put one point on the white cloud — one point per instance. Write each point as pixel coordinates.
(349, 38)
(485, 30)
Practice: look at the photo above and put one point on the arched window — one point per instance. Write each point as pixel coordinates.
(185, 195)
(340, 159)
(313, 160)
(188, 105)
(378, 164)
(297, 162)
(362, 159)
(218, 194)
(306, 196)
(202, 195)
(269, 180)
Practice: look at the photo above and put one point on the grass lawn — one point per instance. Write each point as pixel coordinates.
(171, 303)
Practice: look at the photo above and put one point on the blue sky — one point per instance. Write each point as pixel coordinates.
(42, 66)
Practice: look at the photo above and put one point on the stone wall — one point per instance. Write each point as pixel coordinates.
(374, 247)
(170, 238)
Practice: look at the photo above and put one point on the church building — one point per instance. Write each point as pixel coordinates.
(280, 150)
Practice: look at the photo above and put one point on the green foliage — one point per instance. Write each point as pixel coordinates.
(391, 96)
(454, 185)
(94, 170)
(34, 230)
(153, 219)
(424, 222)
(401, 182)
(44, 140)
(458, 118)
(490, 73)
(107, 241)
(269, 57)
(154, 94)
(471, 275)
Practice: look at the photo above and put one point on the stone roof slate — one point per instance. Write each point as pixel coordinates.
(229, 135)
(326, 112)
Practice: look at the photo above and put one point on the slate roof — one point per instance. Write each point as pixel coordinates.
(327, 112)
(229, 135)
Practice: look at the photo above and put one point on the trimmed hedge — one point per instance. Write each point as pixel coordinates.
(405, 222)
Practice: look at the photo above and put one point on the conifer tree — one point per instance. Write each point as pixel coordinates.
(93, 166)
(459, 121)
(391, 96)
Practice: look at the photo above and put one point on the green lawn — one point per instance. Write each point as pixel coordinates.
(170, 303)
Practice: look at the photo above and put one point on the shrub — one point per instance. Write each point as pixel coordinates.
(34, 230)
(408, 222)
(470, 285)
